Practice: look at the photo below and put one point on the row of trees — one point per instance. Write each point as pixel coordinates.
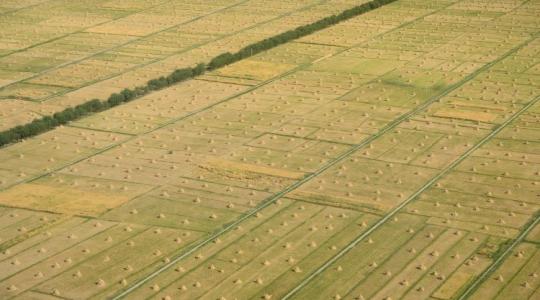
(287, 36)
(46, 123)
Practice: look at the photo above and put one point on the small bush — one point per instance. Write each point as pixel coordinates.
(115, 99)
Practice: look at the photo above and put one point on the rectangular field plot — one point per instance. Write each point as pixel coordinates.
(96, 274)
(51, 150)
(515, 277)
(315, 240)
(78, 74)
(75, 195)
(209, 250)
(28, 91)
(192, 205)
(55, 53)
(20, 225)
(254, 70)
(280, 245)
(364, 184)
(419, 259)
(65, 258)
(495, 189)
(19, 112)
(298, 53)
(159, 108)
(54, 244)
(391, 156)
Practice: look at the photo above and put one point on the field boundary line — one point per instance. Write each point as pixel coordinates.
(497, 262)
(277, 241)
(82, 30)
(152, 61)
(256, 226)
(32, 288)
(21, 8)
(398, 208)
(338, 159)
(46, 123)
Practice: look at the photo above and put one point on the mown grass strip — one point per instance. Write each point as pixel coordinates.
(46, 123)
(499, 257)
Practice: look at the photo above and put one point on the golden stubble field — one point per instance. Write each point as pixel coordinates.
(56, 54)
(401, 162)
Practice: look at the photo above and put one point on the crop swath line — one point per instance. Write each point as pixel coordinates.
(197, 111)
(398, 208)
(115, 47)
(482, 277)
(292, 187)
(82, 30)
(158, 59)
(338, 159)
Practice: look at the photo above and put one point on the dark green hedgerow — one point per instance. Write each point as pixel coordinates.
(46, 123)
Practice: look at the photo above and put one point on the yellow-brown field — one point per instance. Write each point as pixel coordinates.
(395, 155)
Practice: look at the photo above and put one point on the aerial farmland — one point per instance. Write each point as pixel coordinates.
(257, 149)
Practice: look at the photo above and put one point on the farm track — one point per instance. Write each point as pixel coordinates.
(252, 229)
(346, 154)
(204, 109)
(497, 262)
(427, 185)
(141, 38)
(71, 33)
(355, 147)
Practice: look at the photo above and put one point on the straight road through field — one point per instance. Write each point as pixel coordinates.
(119, 46)
(74, 32)
(483, 276)
(292, 187)
(208, 107)
(392, 125)
(398, 208)
(380, 129)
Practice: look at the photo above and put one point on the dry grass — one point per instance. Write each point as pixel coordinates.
(65, 200)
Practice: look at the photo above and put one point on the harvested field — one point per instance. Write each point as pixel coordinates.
(392, 155)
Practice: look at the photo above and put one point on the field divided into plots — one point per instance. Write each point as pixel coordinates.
(55, 54)
(395, 155)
